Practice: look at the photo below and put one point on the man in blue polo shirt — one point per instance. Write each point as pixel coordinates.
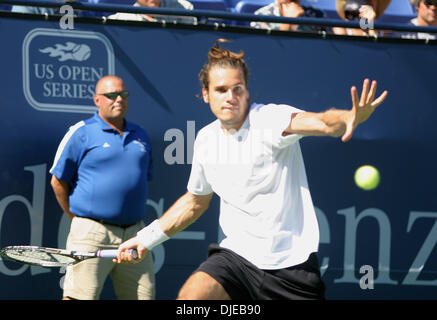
(100, 178)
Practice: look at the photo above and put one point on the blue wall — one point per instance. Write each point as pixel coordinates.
(393, 229)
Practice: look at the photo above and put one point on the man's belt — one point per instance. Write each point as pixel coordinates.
(124, 226)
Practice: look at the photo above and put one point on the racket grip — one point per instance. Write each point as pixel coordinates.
(112, 253)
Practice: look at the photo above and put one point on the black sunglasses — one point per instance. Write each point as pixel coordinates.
(430, 2)
(113, 95)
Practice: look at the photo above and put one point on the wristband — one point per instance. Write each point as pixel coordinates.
(152, 235)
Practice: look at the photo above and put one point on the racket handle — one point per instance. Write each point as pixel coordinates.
(112, 253)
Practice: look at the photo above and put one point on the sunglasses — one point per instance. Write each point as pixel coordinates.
(430, 2)
(113, 95)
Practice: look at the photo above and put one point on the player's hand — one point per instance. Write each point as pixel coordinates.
(124, 256)
(362, 107)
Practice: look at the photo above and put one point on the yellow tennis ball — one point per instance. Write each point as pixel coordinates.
(367, 177)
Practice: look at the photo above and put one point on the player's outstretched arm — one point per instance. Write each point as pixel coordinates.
(338, 123)
(179, 216)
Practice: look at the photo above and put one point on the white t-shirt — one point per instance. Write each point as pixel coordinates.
(266, 211)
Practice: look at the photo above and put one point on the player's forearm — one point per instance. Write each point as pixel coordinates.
(335, 121)
(328, 123)
(184, 212)
(179, 216)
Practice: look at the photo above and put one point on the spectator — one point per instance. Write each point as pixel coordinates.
(100, 178)
(290, 9)
(426, 17)
(32, 9)
(173, 4)
(50, 11)
(354, 10)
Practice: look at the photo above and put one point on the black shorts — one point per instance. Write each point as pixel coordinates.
(244, 281)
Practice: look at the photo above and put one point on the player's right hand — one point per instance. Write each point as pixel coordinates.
(124, 256)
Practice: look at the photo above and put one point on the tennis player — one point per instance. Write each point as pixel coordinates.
(251, 158)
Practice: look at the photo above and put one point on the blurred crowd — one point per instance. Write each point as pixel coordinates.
(366, 12)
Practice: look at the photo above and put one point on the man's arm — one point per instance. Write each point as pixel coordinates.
(184, 212)
(179, 216)
(62, 191)
(336, 123)
(380, 7)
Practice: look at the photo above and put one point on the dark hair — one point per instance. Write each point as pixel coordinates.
(426, 2)
(218, 57)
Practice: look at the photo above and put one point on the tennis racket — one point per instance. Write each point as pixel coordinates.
(51, 257)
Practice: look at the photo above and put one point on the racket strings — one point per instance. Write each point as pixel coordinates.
(41, 258)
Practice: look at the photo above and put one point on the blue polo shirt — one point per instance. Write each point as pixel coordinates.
(108, 173)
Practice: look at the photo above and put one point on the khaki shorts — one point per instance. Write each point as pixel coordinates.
(85, 280)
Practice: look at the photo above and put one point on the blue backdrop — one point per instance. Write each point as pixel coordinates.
(388, 234)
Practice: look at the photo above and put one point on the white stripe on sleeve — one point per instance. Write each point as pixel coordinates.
(64, 142)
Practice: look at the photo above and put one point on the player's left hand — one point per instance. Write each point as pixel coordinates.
(362, 107)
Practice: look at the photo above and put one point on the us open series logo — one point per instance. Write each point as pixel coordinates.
(61, 68)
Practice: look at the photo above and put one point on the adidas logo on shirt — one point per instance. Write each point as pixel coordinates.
(106, 145)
